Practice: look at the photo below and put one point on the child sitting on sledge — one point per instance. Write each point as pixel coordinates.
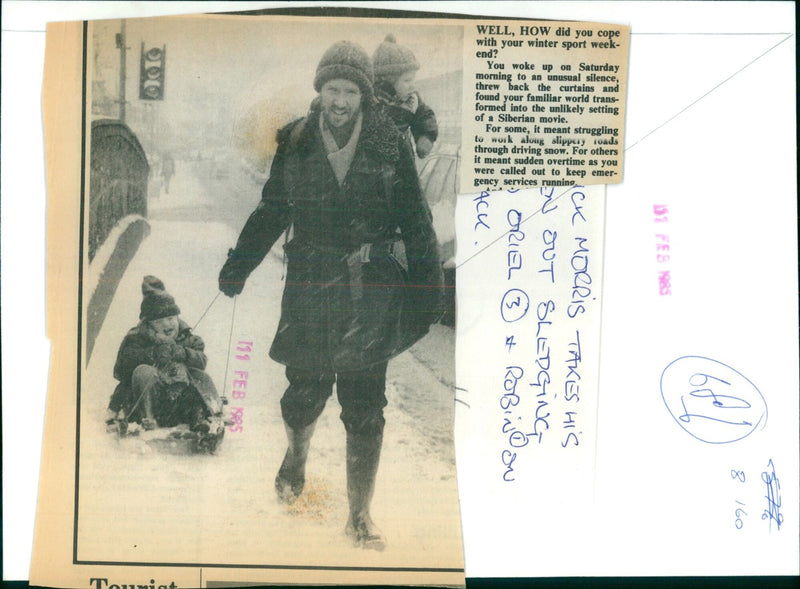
(395, 68)
(160, 367)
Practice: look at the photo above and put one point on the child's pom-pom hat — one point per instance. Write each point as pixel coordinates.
(391, 59)
(157, 303)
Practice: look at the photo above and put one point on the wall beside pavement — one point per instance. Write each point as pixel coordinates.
(132, 232)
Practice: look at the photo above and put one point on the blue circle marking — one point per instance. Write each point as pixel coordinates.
(711, 401)
(514, 305)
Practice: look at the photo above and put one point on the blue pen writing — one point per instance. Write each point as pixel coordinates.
(581, 279)
(711, 401)
(508, 457)
(514, 305)
(549, 253)
(718, 401)
(515, 236)
(481, 200)
(569, 423)
(547, 193)
(542, 310)
(773, 511)
(540, 416)
(580, 196)
(571, 384)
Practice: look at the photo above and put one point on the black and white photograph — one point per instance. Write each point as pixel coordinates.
(268, 294)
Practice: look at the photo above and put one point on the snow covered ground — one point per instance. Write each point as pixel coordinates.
(140, 504)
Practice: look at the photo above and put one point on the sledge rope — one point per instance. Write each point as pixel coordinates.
(228, 355)
(132, 409)
(211, 304)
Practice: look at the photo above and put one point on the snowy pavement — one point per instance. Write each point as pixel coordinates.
(143, 505)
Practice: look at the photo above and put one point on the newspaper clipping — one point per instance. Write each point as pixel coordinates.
(548, 104)
(248, 216)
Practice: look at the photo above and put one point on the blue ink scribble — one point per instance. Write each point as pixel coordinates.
(773, 511)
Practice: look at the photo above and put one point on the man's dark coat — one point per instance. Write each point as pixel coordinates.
(348, 303)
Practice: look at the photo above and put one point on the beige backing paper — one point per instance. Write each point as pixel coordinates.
(114, 512)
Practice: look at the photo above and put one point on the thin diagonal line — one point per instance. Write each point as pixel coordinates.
(230, 339)
(716, 34)
(691, 104)
(684, 109)
(502, 235)
(206, 311)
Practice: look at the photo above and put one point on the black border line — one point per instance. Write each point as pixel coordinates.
(80, 294)
(75, 560)
(269, 566)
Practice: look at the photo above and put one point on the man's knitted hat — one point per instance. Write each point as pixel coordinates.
(391, 59)
(157, 302)
(345, 60)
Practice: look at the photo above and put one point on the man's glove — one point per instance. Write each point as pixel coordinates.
(233, 274)
(424, 147)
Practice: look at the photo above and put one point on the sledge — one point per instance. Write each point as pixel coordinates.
(178, 439)
(202, 438)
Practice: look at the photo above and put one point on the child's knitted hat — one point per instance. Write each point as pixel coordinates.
(157, 302)
(391, 59)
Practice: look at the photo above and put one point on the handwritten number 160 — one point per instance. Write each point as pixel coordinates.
(738, 475)
(739, 512)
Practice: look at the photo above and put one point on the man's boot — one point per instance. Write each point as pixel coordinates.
(363, 455)
(292, 473)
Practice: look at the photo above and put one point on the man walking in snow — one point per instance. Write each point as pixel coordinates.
(343, 179)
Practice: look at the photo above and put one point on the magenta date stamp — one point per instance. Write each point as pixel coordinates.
(239, 386)
(660, 213)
